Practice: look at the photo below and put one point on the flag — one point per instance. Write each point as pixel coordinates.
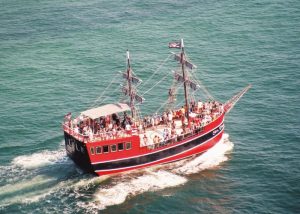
(175, 45)
(68, 116)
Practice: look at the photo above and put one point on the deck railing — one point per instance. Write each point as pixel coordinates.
(174, 139)
(101, 136)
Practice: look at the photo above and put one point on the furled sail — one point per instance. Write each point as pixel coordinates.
(133, 78)
(180, 78)
(133, 94)
(187, 63)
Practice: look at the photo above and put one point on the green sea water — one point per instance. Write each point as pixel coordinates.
(59, 56)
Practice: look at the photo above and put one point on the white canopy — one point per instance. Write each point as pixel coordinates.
(105, 110)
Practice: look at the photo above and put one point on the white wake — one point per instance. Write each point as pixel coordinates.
(211, 158)
(116, 191)
(170, 175)
(40, 159)
(129, 187)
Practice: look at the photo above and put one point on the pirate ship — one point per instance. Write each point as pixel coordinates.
(114, 138)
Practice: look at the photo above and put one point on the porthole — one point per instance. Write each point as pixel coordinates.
(105, 149)
(128, 145)
(98, 150)
(92, 150)
(113, 148)
(120, 146)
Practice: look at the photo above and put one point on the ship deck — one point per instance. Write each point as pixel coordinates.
(152, 133)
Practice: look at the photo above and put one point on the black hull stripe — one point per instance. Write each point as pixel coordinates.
(127, 168)
(183, 142)
(125, 163)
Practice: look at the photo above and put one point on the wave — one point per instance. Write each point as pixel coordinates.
(154, 179)
(24, 191)
(129, 187)
(40, 159)
(210, 159)
(91, 189)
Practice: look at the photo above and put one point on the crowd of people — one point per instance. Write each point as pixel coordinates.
(106, 127)
(200, 114)
(115, 126)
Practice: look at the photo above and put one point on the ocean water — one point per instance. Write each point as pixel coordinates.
(60, 56)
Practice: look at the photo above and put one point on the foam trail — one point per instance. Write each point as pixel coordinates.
(158, 178)
(117, 194)
(40, 159)
(22, 185)
(36, 189)
(25, 191)
(30, 197)
(88, 182)
(212, 158)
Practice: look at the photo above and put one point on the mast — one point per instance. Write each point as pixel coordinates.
(184, 77)
(131, 103)
(130, 89)
(182, 56)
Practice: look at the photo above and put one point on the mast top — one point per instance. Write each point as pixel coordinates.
(127, 52)
(181, 42)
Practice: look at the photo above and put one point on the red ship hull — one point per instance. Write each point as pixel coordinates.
(118, 160)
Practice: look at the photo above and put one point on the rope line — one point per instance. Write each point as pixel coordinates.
(105, 90)
(156, 84)
(109, 96)
(150, 78)
(202, 87)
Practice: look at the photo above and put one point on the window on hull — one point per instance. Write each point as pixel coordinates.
(105, 149)
(98, 150)
(92, 150)
(120, 146)
(113, 148)
(128, 145)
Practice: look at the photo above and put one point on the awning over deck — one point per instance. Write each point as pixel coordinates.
(105, 110)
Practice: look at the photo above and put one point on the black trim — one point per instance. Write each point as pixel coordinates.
(158, 155)
(77, 151)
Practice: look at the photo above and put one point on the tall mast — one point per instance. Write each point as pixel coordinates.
(129, 75)
(130, 90)
(184, 77)
(182, 56)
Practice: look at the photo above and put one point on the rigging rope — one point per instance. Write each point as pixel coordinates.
(204, 89)
(106, 97)
(164, 104)
(209, 96)
(105, 90)
(156, 84)
(150, 78)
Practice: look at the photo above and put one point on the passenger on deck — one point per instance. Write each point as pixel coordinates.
(165, 118)
(182, 110)
(145, 140)
(156, 119)
(115, 119)
(200, 106)
(170, 117)
(153, 122)
(76, 129)
(173, 125)
(165, 134)
(192, 106)
(128, 128)
(90, 133)
(75, 122)
(145, 122)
